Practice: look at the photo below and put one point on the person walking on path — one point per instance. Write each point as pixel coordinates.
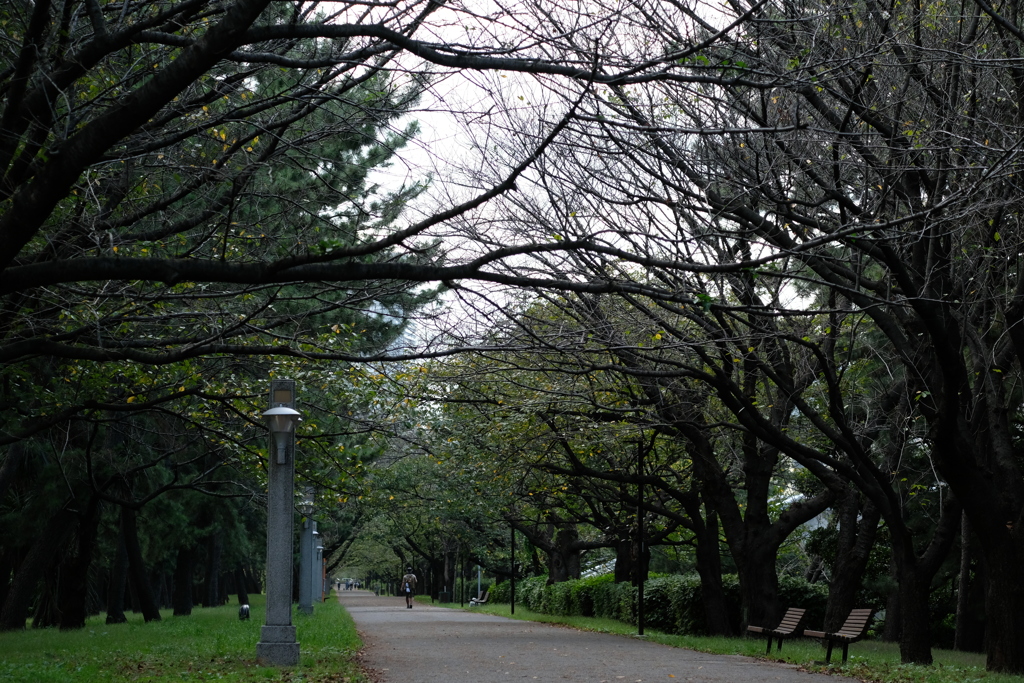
(408, 586)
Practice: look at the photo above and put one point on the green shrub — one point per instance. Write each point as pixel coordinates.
(559, 599)
(500, 592)
(796, 592)
(581, 593)
(672, 603)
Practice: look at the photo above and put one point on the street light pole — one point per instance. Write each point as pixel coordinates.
(307, 542)
(642, 560)
(512, 573)
(318, 568)
(277, 645)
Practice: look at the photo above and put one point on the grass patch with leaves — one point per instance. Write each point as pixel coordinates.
(211, 644)
(872, 661)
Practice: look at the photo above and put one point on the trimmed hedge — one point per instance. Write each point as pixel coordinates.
(671, 603)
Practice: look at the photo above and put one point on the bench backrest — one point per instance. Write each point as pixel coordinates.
(791, 619)
(856, 624)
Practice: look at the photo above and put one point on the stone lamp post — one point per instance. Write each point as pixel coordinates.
(307, 541)
(278, 646)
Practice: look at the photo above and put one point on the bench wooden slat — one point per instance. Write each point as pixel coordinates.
(853, 629)
(788, 626)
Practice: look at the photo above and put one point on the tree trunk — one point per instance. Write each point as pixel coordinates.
(891, 632)
(47, 612)
(253, 584)
(436, 576)
(243, 594)
(1004, 608)
(36, 564)
(9, 470)
(8, 561)
(709, 567)
(211, 587)
(161, 591)
(856, 539)
(915, 625)
(137, 574)
(641, 559)
(564, 557)
(624, 561)
(992, 502)
(118, 578)
(759, 586)
(73, 582)
(970, 621)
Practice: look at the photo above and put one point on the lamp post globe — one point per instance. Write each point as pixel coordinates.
(281, 421)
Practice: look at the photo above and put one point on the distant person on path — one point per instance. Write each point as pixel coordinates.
(408, 586)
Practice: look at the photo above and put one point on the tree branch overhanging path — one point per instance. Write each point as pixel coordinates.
(34, 188)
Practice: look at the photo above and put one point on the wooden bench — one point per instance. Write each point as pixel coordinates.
(480, 601)
(855, 628)
(787, 628)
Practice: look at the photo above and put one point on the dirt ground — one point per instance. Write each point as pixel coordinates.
(434, 645)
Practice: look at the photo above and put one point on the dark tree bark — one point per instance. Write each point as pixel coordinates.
(640, 553)
(624, 557)
(46, 613)
(211, 586)
(35, 566)
(564, 555)
(252, 581)
(243, 594)
(970, 621)
(73, 586)
(224, 587)
(709, 567)
(856, 539)
(118, 580)
(163, 588)
(138, 577)
(9, 470)
(915, 576)
(893, 613)
(9, 558)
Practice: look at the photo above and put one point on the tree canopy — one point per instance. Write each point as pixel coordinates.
(809, 213)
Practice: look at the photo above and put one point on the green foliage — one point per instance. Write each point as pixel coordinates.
(671, 603)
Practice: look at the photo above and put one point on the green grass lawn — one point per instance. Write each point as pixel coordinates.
(869, 660)
(211, 644)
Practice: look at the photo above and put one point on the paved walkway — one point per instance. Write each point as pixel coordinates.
(434, 645)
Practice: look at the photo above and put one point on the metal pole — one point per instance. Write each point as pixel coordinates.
(641, 566)
(478, 589)
(315, 566)
(277, 645)
(305, 567)
(512, 572)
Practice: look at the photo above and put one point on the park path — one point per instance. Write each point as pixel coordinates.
(434, 645)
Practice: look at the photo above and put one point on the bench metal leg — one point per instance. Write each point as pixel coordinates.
(846, 648)
(828, 655)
